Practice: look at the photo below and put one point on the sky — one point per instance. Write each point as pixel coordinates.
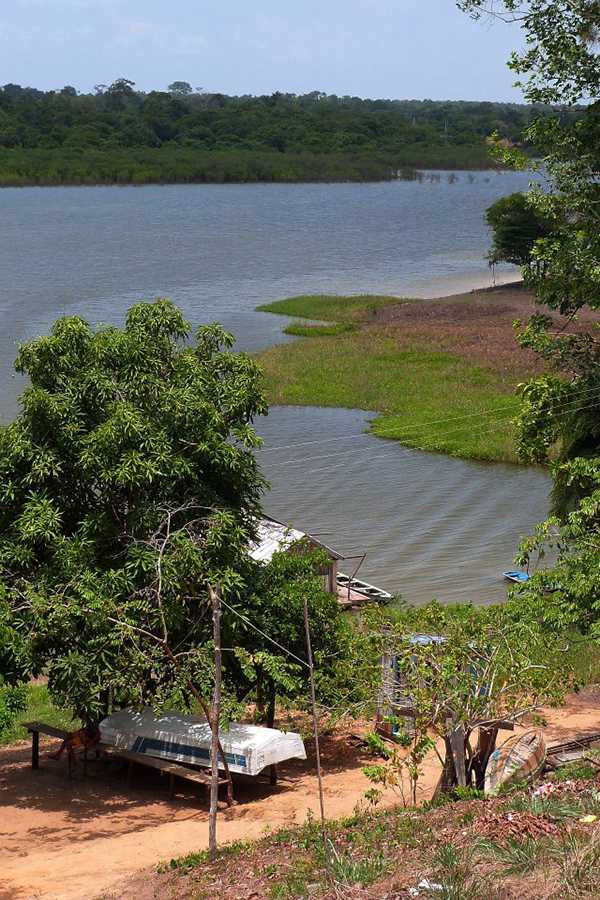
(407, 49)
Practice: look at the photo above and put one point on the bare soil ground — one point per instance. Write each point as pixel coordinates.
(62, 839)
(478, 324)
(70, 839)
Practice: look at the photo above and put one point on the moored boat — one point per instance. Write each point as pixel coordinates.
(519, 758)
(363, 587)
(516, 577)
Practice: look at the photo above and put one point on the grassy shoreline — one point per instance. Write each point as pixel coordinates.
(441, 374)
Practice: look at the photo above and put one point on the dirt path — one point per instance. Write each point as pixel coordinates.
(70, 839)
(61, 840)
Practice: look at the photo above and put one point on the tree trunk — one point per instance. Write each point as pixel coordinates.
(215, 714)
(456, 743)
(260, 697)
(448, 780)
(486, 744)
(271, 702)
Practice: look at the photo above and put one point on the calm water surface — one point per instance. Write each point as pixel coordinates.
(431, 525)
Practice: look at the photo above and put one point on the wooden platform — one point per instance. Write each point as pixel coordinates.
(164, 766)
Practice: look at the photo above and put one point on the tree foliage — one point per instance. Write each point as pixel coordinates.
(567, 594)
(130, 465)
(129, 488)
(516, 227)
(270, 640)
(120, 134)
(460, 671)
(560, 419)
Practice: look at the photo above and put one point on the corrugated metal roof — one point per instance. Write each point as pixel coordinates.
(273, 536)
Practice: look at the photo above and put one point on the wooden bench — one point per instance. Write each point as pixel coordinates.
(37, 728)
(164, 766)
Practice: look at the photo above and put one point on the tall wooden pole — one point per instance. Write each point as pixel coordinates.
(314, 717)
(215, 597)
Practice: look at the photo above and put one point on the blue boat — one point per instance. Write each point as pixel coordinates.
(516, 577)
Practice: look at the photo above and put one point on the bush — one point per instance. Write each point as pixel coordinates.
(12, 702)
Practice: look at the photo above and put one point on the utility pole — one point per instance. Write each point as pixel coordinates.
(215, 598)
(314, 717)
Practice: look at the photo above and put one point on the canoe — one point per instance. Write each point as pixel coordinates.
(362, 587)
(519, 758)
(516, 577)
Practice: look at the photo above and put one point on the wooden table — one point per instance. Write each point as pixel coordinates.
(37, 728)
(164, 766)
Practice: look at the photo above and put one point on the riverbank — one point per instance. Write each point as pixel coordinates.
(534, 841)
(441, 373)
(65, 839)
(41, 167)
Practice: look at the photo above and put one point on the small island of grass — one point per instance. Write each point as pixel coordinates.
(441, 373)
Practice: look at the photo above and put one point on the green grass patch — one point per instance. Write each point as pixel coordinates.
(325, 329)
(39, 708)
(330, 307)
(199, 858)
(427, 399)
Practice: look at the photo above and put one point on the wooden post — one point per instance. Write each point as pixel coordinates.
(204, 706)
(35, 749)
(314, 717)
(215, 597)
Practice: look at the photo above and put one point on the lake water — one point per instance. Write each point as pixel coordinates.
(218, 251)
(431, 526)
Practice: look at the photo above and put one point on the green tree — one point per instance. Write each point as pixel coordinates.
(567, 594)
(560, 419)
(13, 663)
(271, 641)
(180, 88)
(463, 672)
(128, 486)
(516, 226)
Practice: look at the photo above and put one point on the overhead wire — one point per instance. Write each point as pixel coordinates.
(400, 445)
(415, 427)
(264, 634)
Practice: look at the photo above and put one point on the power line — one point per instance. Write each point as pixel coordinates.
(408, 427)
(400, 445)
(257, 629)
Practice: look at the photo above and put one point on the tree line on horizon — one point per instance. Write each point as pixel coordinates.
(120, 134)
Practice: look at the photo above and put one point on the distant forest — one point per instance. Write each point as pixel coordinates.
(119, 135)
